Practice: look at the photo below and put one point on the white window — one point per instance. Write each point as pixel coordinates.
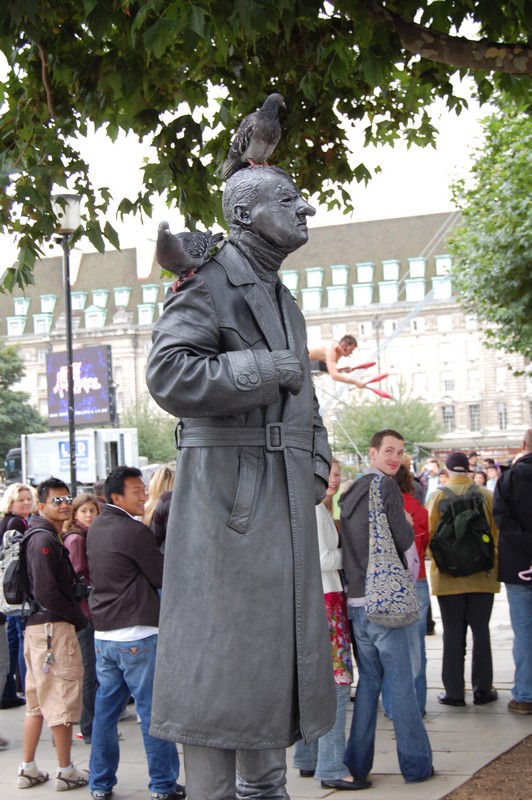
(443, 264)
(444, 323)
(419, 384)
(416, 267)
(501, 374)
(99, 298)
(365, 329)
(362, 295)
(78, 300)
(474, 417)
(390, 326)
(146, 313)
(447, 382)
(471, 322)
(472, 349)
(21, 305)
(502, 413)
(41, 355)
(95, 317)
(314, 334)
(418, 353)
(448, 418)
(42, 323)
(336, 296)
(444, 352)
(365, 272)
(311, 299)
(314, 277)
(473, 380)
(122, 294)
(48, 302)
(41, 381)
(390, 270)
(149, 293)
(15, 326)
(442, 288)
(290, 278)
(339, 330)
(339, 273)
(418, 325)
(414, 290)
(388, 292)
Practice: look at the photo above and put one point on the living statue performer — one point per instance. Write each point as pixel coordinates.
(244, 664)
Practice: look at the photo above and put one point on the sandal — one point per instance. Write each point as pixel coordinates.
(26, 780)
(73, 780)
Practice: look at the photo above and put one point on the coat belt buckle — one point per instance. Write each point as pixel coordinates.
(275, 438)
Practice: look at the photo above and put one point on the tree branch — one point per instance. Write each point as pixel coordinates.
(44, 74)
(515, 59)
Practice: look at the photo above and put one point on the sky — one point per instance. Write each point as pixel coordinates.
(413, 181)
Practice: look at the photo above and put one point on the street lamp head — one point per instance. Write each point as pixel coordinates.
(67, 211)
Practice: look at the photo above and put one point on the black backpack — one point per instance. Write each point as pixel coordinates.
(463, 543)
(15, 597)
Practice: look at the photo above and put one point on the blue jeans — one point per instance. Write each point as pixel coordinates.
(326, 756)
(418, 652)
(125, 668)
(386, 651)
(520, 602)
(15, 637)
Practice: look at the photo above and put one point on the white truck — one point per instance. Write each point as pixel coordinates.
(98, 451)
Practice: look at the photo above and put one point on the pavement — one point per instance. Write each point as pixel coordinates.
(463, 739)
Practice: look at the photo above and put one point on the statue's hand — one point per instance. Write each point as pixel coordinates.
(289, 369)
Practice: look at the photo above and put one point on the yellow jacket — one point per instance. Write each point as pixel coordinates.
(480, 581)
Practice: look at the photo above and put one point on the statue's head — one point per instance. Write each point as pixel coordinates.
(265, 201)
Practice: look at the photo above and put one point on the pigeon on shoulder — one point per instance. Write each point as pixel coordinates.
(179, 252)
(257, 136)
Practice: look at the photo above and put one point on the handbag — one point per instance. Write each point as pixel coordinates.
(390, 593)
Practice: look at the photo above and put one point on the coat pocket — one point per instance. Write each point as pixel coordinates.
(248, 476)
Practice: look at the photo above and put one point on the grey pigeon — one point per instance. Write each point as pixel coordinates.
(256, 137)
(179, 252)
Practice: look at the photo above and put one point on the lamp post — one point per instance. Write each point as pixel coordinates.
(67, 210)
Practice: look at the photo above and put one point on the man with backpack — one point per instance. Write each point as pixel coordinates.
(465, 598)
(53, 657)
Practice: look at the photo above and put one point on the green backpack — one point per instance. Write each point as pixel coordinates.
(462, 543)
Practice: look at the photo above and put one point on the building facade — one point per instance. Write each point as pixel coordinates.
(386, 281)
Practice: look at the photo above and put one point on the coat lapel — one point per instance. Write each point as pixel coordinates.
(268, 320)
(294, 323)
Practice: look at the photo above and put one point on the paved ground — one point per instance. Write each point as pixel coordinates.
(463, 739)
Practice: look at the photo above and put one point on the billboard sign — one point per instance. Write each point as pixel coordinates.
(92, 375)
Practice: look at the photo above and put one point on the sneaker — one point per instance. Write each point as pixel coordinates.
(71, 778)
(125, 715)
(30, 777)
(102, 795)
(520, 707)
(179, 793)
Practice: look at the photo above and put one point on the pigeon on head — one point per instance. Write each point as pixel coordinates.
(184, 251)
(256, 138)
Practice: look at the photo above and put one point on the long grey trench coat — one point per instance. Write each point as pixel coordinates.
(244, 657)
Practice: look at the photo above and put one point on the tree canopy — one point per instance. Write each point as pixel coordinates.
(492, 248)
(16, 415)
(357, 422)
(182, 74)
(155, 430)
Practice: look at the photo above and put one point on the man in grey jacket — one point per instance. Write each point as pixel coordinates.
(244, 664)
(382, 652)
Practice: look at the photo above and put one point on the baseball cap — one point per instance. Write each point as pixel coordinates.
(457, 462)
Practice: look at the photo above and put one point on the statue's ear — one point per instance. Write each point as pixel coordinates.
(242, 215)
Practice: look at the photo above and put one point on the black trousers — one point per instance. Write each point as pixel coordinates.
(458, 612)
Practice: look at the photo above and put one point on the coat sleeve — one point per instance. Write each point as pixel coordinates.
(330, 556)
(189, 374)
(507, 524)
(147, 556)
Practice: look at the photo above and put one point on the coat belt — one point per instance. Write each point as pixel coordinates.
(274, 437)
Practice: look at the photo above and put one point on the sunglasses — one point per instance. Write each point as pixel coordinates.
(56, 501)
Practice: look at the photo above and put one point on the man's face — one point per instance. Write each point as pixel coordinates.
(389, 457)
(134, 497)
(56, 509)
(279, 215)
(346, 349)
